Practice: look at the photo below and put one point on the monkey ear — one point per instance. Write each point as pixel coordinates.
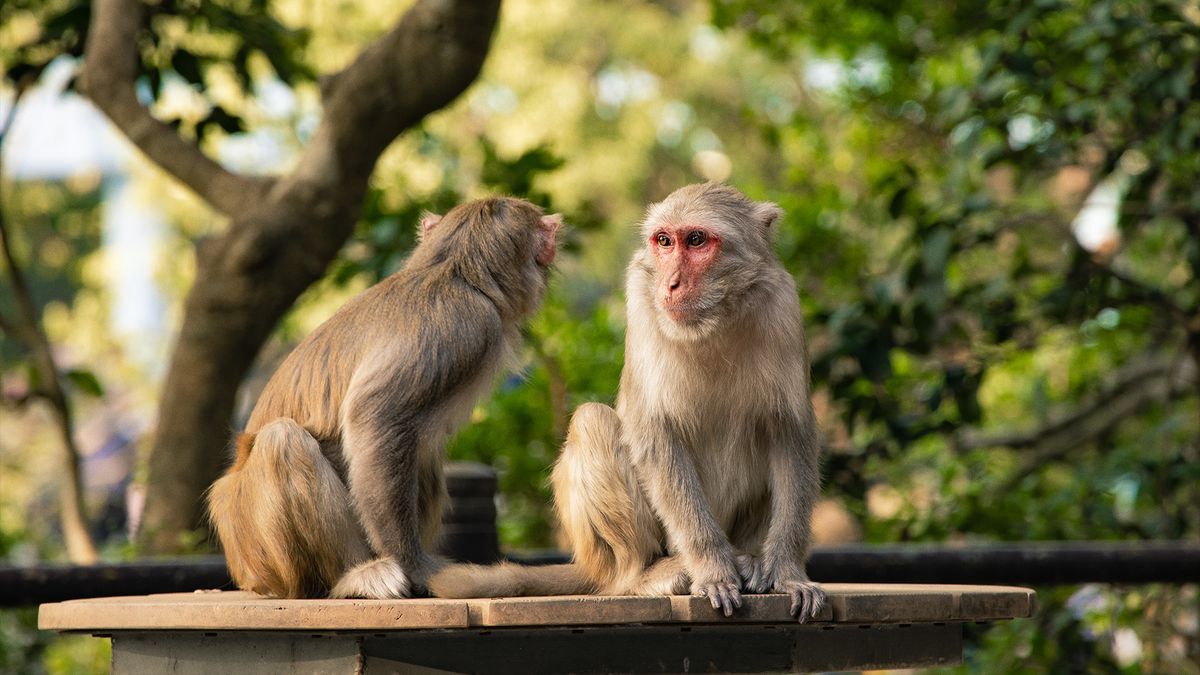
(552, 222)
(767, 213)
(428, 220)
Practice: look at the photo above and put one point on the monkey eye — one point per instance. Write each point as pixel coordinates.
(696, 238)
(663, 240)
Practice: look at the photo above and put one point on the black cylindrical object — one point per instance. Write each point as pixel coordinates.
(469, 522)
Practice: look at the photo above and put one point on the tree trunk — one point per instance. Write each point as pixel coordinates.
(283, 232)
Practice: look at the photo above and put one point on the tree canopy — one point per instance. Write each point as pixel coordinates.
(991, 213)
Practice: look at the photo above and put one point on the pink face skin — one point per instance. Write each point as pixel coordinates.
(683, 253)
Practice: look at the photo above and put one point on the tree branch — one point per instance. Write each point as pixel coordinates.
(421, 65)
(431, 56)
(1132, 388)
(80, 547)
(110, 67)
(1149, 293)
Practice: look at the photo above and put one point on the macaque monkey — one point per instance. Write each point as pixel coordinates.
(703, 479)
(337, 486)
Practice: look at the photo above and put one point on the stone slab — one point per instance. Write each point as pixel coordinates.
(766, 608)
(911, 603)
(238, 610)
(571, 610)
(875, 603)
(997, 602)
(243, 653)
(653, 648)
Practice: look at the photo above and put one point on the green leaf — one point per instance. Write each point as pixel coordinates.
(86, 382)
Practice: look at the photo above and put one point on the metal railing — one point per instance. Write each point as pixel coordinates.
(1024, 563)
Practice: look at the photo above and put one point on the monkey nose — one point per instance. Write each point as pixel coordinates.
(673, 282)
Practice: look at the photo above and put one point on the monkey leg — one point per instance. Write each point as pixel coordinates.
(610, 526)
(284, 518)
(389, 469)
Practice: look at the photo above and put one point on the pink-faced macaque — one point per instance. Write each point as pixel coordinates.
(703, 478)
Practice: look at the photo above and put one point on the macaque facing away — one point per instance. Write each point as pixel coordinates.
(703, 479)
(337, 485)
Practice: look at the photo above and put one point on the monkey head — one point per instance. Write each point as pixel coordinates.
(502, 245)
(514, 218)
(703, 250)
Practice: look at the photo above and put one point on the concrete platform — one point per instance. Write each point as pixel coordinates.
(863, 626)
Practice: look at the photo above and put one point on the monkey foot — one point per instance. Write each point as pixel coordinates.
(753, 573)
(378, 579)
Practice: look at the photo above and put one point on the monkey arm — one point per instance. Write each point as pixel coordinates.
(795, 484)
(671, 483)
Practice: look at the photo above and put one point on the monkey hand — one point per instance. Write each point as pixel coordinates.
(763, 575)
(807, 597)
(719, 583)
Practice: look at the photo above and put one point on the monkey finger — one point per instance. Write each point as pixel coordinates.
(798, 608)
(718, 595)
(726, 606)
(807, 600)
(730, 598)
(714, 598)
(818, 601)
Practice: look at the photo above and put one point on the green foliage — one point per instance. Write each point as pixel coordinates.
(516, 176)
(25, 649)
(60, 229)
(986, 359)
(575, 358)
(85, 381)
(186, 40)
(988, 372)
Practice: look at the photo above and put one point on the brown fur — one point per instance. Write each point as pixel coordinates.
(715, 415)
(703, 478)
(336, 487)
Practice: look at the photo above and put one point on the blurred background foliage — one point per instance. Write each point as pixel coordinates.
(992, 215)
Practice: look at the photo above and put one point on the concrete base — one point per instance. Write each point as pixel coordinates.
(625, 649)
(862, 627)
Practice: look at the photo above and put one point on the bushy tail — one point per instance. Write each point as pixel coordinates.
(508, 580)
(283, 516)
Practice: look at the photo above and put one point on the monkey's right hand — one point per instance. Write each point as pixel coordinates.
(720, 583)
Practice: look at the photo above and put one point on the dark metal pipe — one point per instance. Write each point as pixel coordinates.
(1025, 563)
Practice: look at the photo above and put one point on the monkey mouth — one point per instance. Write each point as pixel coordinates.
(681, 313)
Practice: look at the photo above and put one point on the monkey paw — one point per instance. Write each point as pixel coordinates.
(753, 573)
(378, 579)
(807, 598)
(724, 595)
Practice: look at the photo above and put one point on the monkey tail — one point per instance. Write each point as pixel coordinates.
(283, 515)
(508, 580)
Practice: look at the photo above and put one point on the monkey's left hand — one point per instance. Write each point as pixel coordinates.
(759, 575)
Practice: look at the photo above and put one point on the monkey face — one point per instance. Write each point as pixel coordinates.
(706, 247)
(683, 256)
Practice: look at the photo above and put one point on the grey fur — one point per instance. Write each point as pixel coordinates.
(378, 388)
(706, 475)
